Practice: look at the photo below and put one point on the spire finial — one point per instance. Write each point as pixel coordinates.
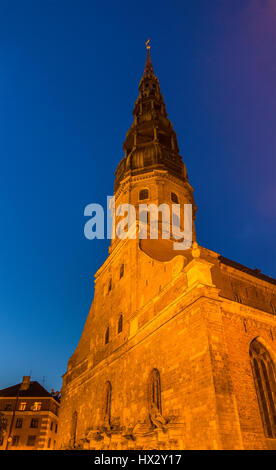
(148, 44)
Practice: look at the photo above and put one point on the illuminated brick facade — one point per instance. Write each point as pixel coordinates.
(178, 350)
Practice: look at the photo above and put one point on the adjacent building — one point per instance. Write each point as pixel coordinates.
(30, 415)
(179, 347)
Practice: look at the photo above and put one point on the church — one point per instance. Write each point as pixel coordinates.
(179, 347)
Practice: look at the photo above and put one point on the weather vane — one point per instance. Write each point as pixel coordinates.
(148, 45)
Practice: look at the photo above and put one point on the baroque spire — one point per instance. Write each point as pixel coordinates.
(151, 141)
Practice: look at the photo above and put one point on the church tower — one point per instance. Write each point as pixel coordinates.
(178, 349)
(152, 170)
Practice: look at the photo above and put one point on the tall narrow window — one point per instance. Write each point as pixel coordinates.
(106, 338)
(19, 423)
(155, 390)
(122, 269)
(265, 383)
(110, 285)
(74, 427)
(120, 324)
(143, 194)
(107, 404)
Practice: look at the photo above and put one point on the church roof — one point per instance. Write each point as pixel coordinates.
(253, 272)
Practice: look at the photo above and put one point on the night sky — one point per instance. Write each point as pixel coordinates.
(68, 82)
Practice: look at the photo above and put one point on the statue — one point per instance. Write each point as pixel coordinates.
(156, 418)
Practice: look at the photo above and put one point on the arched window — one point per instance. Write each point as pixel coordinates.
(174, 198)
(265, 383)
(74, 427)
(106, 338)
(155, 389)
(107, 404)
(143, 194)
(110, 285)
(120, 324)
(122, 270)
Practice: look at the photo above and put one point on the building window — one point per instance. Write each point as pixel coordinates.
(106, 338)
(3, 423)
(143, 194)
(49, 443)
(37, 406)
(19, 422)
(56, 428)
(107, 404)
(15, 440)
(120, 324)
(264, 374)
(31, 440)
(1, 440)
(110, 285)
(8, 407)
(34, 423)
(122, 269)
(155, 390)
(74, 427)
(52, 424)
(22, 406)
(174, 198)
(54, 446)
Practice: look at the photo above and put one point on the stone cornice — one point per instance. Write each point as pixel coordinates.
(229, 309)
(132, 179)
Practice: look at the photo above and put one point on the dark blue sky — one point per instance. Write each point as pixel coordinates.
(68, 82)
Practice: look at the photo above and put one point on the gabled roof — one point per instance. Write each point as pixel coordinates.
(34, 390)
